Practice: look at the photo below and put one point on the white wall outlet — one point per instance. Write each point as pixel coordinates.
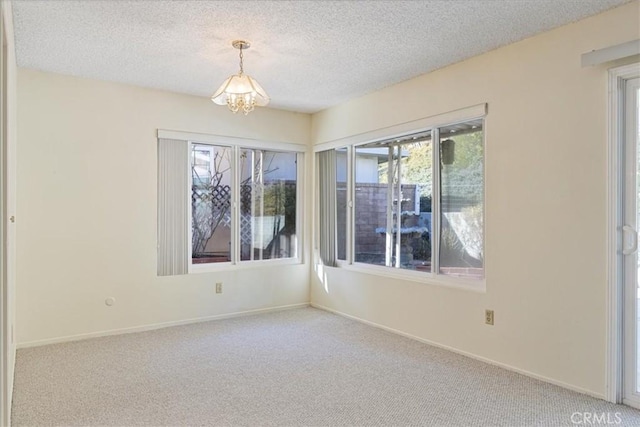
(219, 288)
(488, 317)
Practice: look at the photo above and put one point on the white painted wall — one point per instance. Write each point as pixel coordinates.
(87, 209)
(545, 205)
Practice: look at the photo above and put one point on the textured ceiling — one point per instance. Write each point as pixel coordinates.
(308, 55)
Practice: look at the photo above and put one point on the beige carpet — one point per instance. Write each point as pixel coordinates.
(291, 368)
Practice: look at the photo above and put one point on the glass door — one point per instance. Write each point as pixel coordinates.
(631, 376)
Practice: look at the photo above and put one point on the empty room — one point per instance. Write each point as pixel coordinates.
(320, 213)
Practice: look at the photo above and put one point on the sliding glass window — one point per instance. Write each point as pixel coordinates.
(414, 202)
(262, 184)
(342, 172)
(211, 179)
(392, 203)
(462, 200)
(268, 186)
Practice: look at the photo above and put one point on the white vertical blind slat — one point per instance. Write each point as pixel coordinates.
(173, 207)
(327, 206)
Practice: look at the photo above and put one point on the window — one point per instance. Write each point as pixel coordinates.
(210, 203)
(226, 203)
(414, 202)
(392, 203)
(462, 200)
(268, 204)
(341, 203)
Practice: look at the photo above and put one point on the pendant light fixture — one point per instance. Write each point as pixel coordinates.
(240, 92)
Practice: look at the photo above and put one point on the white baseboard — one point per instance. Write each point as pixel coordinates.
(151, 327)
(301, 305)
(464, 353)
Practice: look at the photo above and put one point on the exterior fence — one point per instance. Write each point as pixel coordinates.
(211, 210)
(370, 223)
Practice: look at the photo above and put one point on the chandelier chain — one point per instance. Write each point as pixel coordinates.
(241, 57)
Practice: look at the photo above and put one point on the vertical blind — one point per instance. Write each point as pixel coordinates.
(327, 206)
(173, 207)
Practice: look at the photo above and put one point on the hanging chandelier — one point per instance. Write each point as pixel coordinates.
(240, 92)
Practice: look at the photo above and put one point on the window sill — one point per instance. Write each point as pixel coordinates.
(475, 285)
(242, 265)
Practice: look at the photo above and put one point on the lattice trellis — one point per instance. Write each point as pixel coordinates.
(246, 225)
(216, 202)
(221, 204)
(246, 232)
(245, 198)
(220, 199)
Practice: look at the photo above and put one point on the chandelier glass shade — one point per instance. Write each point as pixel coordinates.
(241, 92)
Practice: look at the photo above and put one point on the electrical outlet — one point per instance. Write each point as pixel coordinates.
(219, 288)
(488, 317)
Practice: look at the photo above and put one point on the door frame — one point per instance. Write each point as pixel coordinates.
(8, 181)
(4, 343)
(614, 216)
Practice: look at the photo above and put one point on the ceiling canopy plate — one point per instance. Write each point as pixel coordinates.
(241, 44)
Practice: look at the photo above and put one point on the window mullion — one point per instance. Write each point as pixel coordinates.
(261, 188)
(351, 191)
(398, 207)
(389, 229)
(253, 199)
(300, 205)
(189, 202)
(335, 210)
(235, 205)
(435, 202)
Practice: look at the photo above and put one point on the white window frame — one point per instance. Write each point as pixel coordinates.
(237, 144)
(433, 124)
